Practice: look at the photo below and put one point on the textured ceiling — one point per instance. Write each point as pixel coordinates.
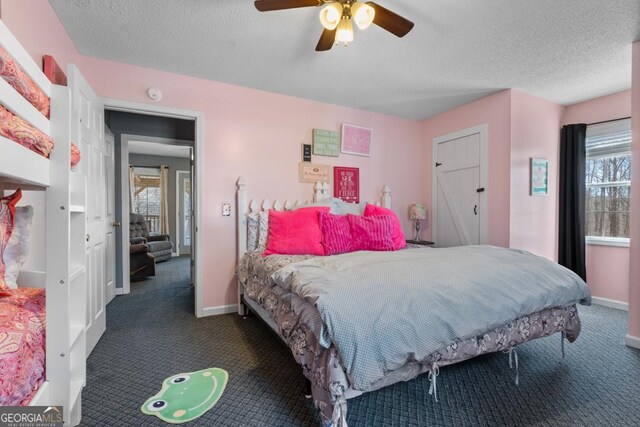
(561, 50)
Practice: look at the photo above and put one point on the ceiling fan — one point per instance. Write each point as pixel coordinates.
(337, 17)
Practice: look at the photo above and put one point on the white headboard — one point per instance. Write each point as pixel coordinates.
(246, 205)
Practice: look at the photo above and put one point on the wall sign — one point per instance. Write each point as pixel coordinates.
(346, 184)
(310, 172)
(356, 140)
(306, 152)
(539, 177)
(326, 143)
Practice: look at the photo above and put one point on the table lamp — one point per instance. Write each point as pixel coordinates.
(417, 213)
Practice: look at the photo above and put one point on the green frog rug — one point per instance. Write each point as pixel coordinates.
(185, 397)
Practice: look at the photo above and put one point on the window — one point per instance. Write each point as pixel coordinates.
(146, 199)
(608, 175)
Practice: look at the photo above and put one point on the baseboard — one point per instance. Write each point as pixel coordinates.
(174, 254)
(632, 341)
(222, 309)
(120, 291)
(620, 305)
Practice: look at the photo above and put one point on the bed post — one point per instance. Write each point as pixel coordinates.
(386, 197)
(321, 191)
(241, 230)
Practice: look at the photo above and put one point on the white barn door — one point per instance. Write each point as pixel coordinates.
(459, 190)
(98, 158)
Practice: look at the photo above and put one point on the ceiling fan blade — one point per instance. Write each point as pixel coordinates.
(327, 39)
(390, 21)
(269, 5)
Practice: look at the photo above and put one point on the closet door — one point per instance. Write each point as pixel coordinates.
(89, 111)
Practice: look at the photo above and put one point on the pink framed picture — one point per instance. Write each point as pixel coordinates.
(346, 184)
(356, 140)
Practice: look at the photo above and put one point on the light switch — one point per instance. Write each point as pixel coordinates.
(226, 209)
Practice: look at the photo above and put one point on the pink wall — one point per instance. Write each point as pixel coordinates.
(535, 132)
(607, 266)
(634, 274)
(246, 132)
(493, 110)
(615, 106)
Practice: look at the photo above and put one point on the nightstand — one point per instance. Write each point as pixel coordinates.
(421, 242)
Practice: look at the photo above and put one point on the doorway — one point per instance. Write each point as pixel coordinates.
(152, 141)
(460, 188)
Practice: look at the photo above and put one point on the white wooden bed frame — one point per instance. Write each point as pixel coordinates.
(246, 206)
(64, 195)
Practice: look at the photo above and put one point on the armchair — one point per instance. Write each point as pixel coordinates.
(142, 263)
(160, 246)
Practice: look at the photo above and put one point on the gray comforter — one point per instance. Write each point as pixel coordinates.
(384, 310)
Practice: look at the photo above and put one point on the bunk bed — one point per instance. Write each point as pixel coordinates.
(35, 155)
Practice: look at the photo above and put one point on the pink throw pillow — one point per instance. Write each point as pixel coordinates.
(372, 233)
(295, 232)
(7, 215)
(336, 233)
(398, 235)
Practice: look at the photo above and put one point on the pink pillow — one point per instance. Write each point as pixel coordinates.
(371, 233)
(336, 233)
(295, 232)
(7, 215)
(398, 235)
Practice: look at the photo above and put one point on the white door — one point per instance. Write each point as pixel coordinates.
(458, 190)
(89, 113)
(184, 211)
(110, 205)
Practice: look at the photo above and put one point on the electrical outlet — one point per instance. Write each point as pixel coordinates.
(226, 209)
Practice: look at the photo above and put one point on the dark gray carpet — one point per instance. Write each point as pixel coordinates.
(152, 334)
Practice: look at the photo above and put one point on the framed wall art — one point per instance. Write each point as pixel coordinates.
(356, 140)
(539, 177)
(311, 172)
(346, 184)
(326, 143)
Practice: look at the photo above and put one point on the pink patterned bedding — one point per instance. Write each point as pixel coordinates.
(22, 132)
(13, 74)
(22, 345)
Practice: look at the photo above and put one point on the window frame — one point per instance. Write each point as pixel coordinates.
(604, 240)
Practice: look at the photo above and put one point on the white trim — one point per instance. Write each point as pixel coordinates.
(483, 130)
(120, 291)
(178, 173)
(41, 398)
(632, 341)
(612, 303)
(620, 242)
(221, 309)
(198, 118)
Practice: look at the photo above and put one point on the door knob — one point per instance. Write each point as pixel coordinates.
(116, 224)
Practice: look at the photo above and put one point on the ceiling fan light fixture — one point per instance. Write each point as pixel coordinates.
(330, 16)
(344, 34)
(363, 14)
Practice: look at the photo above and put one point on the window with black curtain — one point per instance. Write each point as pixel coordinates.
(608, 179)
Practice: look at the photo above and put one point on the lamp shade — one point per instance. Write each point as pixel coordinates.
(362, 14)
(417, 211)
(345, 31)
(330, 16)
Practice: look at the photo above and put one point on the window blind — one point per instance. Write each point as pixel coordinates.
(608, 139)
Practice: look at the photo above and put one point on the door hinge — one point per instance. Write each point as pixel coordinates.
(438, 164)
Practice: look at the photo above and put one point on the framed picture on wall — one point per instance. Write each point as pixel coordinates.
(356, 140)
(346, 184)
(311, 172)
(539, 177)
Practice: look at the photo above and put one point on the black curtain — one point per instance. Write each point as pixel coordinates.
(571, 229)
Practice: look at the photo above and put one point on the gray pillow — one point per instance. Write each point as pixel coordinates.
(353, 208)
(252, 232)
(334, 205)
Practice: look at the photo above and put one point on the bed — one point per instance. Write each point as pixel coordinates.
(316, 306)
